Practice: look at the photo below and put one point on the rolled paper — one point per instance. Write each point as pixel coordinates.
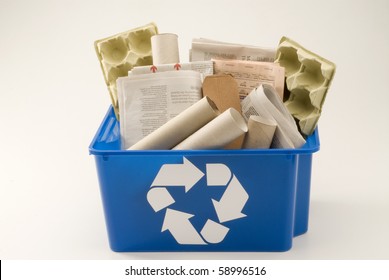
(180, 127)
(217, 133)
(264, 101)
(165, 48)
(260, 133)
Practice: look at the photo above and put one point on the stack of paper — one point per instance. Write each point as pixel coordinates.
(265, 102)
(228, 96)
(148, 101)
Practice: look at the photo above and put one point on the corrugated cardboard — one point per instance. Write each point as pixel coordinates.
(223, 90)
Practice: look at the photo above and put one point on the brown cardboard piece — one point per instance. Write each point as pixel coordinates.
(223, 91)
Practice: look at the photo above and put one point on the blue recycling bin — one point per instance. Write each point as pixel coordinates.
(202, 200)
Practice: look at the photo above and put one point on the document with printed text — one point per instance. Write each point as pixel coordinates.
(250, 74)
(147, 101)
(205, 49)
(265, 103)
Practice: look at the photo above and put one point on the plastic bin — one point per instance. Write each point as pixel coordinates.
(203, 200)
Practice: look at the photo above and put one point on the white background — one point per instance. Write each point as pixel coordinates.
(53, 98)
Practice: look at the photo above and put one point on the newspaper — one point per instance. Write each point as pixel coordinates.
(204, 67)
(264, 101)
(206, 49)
(250, 74)
(147, 101)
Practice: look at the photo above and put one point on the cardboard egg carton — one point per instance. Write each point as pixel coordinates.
(308, 77)
(121, 52)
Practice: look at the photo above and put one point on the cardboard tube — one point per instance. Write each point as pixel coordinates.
(179, 127)
(217, 133)
(260, 133)
(165, 48)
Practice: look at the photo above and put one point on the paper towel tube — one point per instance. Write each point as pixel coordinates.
(260, 133)
(217, 133)
(179, 127)
(165, 48)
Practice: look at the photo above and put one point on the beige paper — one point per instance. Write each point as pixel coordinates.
(179, 127)
(217, 133)
(251, 74)
(260, 133)
(165, 48)
(223, 90)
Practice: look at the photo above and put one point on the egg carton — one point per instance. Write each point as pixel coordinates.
(119, 53)
(308, 77)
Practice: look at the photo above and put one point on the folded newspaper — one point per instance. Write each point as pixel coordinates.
(250, 74)
(206, 49)
(147, 101)
(204, 67)
(264, 101)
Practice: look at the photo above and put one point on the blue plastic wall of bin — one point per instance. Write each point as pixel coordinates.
(277, 182)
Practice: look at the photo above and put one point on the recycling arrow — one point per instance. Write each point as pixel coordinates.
(232, 202)
(217, 174)
(159, 198)
(185, 174)
(214, 232)
(177, 222)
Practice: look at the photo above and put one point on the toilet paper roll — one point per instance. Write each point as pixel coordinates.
(260, 133)
(165, 48)
(179, 127)
(217, 133)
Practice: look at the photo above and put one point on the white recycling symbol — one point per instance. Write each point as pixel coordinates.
(186, 175)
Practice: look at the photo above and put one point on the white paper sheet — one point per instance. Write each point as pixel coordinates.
(206, 49)
(148, 101)
(204, 67)
(265, 102)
